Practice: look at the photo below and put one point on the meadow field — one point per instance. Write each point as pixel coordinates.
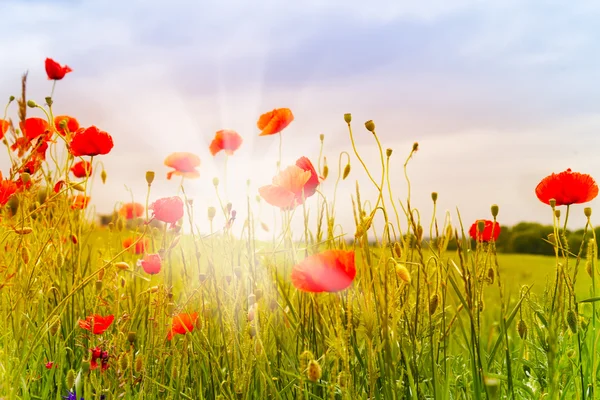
(149, 304)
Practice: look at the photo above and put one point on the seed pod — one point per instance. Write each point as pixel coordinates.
(572, 321)
(131, 337)
(433, 303)
(325, 171)
(522, 329)
(587, 212)
(149, 177)
(314, 371)
(123, 266)
(348, 118)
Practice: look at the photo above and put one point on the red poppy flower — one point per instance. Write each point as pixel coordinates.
(58, 186)
(567, 188)
(98, 353)
(275, 121)
(292, 185)
(486, 235)
(140, 245)
(96, 324)
(328, 271)
(34, 127)
(132, 210)
(151, 263)
(3, 127)
(168, 209)
(182, 324)
(79, 202)
(226, 140)
(56, 71)
(90, 142)
(64, 124)
(49, 364)
(184, 164)
(82, 169)
(7, 189)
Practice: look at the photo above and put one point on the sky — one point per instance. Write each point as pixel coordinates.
(498, 94)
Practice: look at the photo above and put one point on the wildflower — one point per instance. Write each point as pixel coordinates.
(184, 164)
(79, 202)
(49, 364)
(96, 324)
(486, 234)
(56, 71)
(168, 209)
(131, 210)
(226, 140)
(567, 188)
(328, 271)
(151, 263)
(34, 127)
(140, 245)
(7, 189)
(90, 142)
(64, 124)
(182, 324)
(275, 121)
(82, 169)
(98, 353)
(4, 124)
(292, 185)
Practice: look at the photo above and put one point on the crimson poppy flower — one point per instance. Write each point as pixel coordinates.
(64, 124)
(90, 142)
(56, 71)
(167, 209)
(3, 127)
(486, 235)
(132, 210)
(151, 263)
(226, 140)
(328, 271)
(34, 127)
(567, 188)
(96, 324)
(182, 324)
(79, 202)
(140, 245)
(275, 121)
(102, 355)
(82, 169)
(184, 164)
(58, 186)
(292, 185)
(7, 189)
(49, 364)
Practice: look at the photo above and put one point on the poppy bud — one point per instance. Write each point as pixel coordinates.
(215, 181)
(587, 212)
(237, 271)
(85, 366)
(123, 266)
(101, 274)
(314, 371)
(228, 279)
(228, 208)
(49, 101)
(415, 146)
(11, 99)
(252, 331)
(131, 337)
(202, 277)
(403, 273)
(491, 275)
(79, 187)
(123, 282)
(98, 285)
(103, 176)
(348, 118)
(54, 327)
(572, 321)
(397, 249)
(370, 125)
(25, 178)
(522, 329)
(259, 294)
(494, 209)
(149, 177)
(251, 299)
(70, 379)
(552, 203)
(264, 226)
(434, 196)
(557, 214)
(120, 224)
(322, 137)
(25, 255)
(388, 152)
(139, 363)
(346, 171)
(433, 303)
(480, 226)
(31, 104)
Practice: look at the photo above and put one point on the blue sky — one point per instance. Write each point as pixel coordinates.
(499, 94)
